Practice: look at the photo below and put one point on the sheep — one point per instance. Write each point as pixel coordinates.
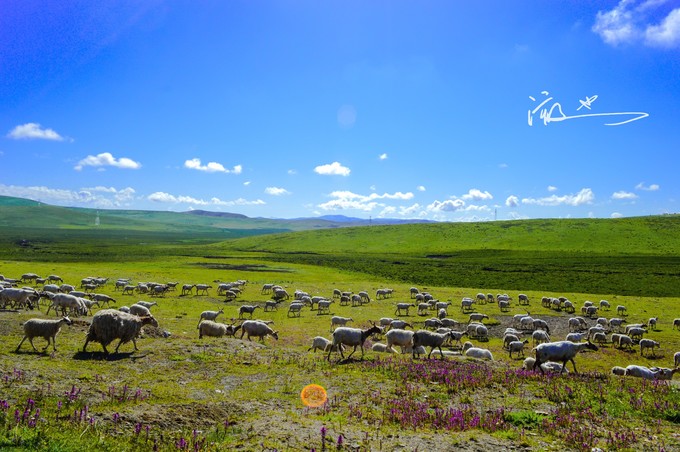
(110, 324)
(324, 306)
(517, 347)
(400, 324)
(259, 329)
(337, 321)
(466, 304)
(186, 289)
(321, 343)
(651, 323)
(604, 305)
(481, 333)
(385, 322)
(442, 313)
(504, 305)
(507, 338)
(576, 325)
(214, 329)
(568, 306)
(475, 352)
(295, 308)
(423, 308)
(616, 323)
(246, 309)
(448, 322)
(139, 310)
(575, 337)
(655, 373)
(540, 337)
(430, 339)
(125, 309)
(354, 337)
(65, 301)
(647, 344)
(146, 304)
(522, 299)
(561, 351)
(456, 336)
(381, 348)
(526, 323)
(45, 328)
(209, 315)
(477, 317)
(403, 307)
(676, 324)
(432, 323)
(400, 337)
(17, 297)
(600, 337)
(540, 324)
(414, 291)
(550, 366)
(618, 370)
(621, 310)
(271, 305)
(625, 341)
(129, 290)
(202, 288)
(676, 359)
(636, 333)
(442, 305)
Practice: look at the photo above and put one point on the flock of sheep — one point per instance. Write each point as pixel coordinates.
(125, 323)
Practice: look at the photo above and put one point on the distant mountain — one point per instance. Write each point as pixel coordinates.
(207, 213)
(354, 220)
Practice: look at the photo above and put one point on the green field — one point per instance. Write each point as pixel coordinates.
(182, 393)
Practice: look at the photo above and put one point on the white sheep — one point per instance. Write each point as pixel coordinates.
(45, 328)
(636, 333)
(432, 323)
(561, 351)
(476, 352)
(400, 324)
(209, 315)
(146, 304)
(550, 366)
(321, 343)
(616, 323)
(621, 310)
(271, 305)
(509, 337)
(214, 329)
(477, 317)
(654, 373)
(257, 328)
(430, 339)
(337, 321)
(647, 344)
(354, 337)
(403, 307)
(618, 370)
(139, 310)
(110, 324)
(400, 337)
(448, 322)
(246, 309)
(202, 288)
(651, 323)
(540, 324)
(324, 306)
(295, 308)
(575, 337)
(625, 341)
(540, 337)
(517, 347)
(600, 337)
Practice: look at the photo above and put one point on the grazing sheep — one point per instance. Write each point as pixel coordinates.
(295, 308)
(540, 337)
(246, 309)
(466, 304)
(676, 324)
(385, 322)
(110, 324)
(509, 337)
(647, 344)
(477, 317)
(522, 299)
(403, 307)
(550, 366)
(324, 306)
(64, 301)
(575, 337)
(540, 324)
(616, 323)
(561, 351)
(625, 341)
(430, 339)
(475, 352)
(259, 329)
(321, 343)
(209, 315)
(654, 373)
(636, 333)
(621, 310)
(400, 324)
(604, 305)
(354, 337)
(600, 338)
(214, 329)
(676, 359)
(400, 337)
(517, 347)
(271, 305)
(337, 321)
(504, 305)
(651, 323)
(45, 328)
(432, 323)
(139, 310)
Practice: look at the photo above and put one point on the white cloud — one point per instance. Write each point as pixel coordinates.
(409, 210)
(276, 191)
(33, 131)
(667, 33)
(106, 159)
(624, 195)
(292, 172)
(332, 169)
(616, 215)
(552, 188)
(168, 198)
(642, 186)
(585, 196)
(383, 156)
(246, 183)
(450, 205)
(631, 21)
(477, 195)
(103, 197)
(503, 165)
(420, 188)
(344, 200)
(512, 201)
(211, 167)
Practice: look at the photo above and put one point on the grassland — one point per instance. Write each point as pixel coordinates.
(182, 393)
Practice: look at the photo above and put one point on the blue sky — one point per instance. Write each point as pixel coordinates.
(451, 111)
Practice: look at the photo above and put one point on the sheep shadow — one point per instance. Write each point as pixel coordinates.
(101, 356)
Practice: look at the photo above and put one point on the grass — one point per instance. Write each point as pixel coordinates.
(182, 393)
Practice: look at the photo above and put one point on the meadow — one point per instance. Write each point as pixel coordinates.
(182, 393)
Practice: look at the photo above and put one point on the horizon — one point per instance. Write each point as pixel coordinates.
(438, 111)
